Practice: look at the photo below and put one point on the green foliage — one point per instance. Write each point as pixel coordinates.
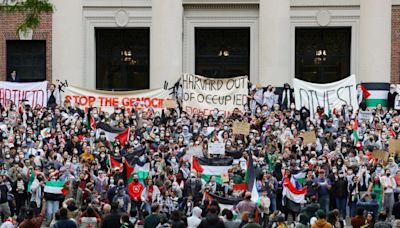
(32, 10)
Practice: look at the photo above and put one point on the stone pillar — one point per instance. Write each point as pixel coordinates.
(67, 56)
(166, 42)
(375, 41)
(274, 38)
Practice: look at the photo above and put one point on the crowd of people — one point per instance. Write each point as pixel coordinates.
(102, 184)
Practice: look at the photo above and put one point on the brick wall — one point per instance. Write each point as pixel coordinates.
(8, 25)
(395, 77)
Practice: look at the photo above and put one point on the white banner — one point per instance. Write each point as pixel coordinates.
(34, 92)
(329, 95)
(201, 94)
(106, 100)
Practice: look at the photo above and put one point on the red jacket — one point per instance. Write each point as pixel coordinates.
(135, 190)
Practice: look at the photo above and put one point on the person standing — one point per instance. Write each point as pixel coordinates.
(111, 220)
(154, 219)
(33, 221)
(135, 189)
(391, 97)
(64, 221)
(340, 187)
(389, 184)
(4, 207)
(263, 204)
(324, 186)
(246, 205)
(13, 76)
(53, 96)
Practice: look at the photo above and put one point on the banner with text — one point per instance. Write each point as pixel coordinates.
(106, 100)
(201, 94)
(34, 92)
(329, 95)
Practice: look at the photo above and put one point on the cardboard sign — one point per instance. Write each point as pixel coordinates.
(216, 148)
(380, 154)
(364, 116)
(241, 128)
(328, 95)
(196, 151)
(309, 137)
(394, 146)
(170, 104)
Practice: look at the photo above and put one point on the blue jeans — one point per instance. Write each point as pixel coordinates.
(353, 209)
(51, 208)
(324, 202)
(272, 207)
(341, 203)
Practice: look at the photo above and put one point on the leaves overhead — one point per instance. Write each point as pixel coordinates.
(32, 10)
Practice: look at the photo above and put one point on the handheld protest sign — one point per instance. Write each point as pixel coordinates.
(380, 155)
(394, 146)
(241, 128)
(308, 137)
(216, 148)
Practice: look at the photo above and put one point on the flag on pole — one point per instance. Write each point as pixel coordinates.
(355, 131)
(123, 137)
(114, 164)
(31, 178)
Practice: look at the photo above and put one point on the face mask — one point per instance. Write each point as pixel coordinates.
(102, 155)
(379, 169)
(388, 174)
(341, 175)
(17, 159)
(292, 106)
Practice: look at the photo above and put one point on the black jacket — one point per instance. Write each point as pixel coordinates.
(390, 99)
(340, 187)
(213, 221)
(111, 220)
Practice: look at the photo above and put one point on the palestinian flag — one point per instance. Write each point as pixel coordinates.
(375, 93)
(110, 132)
(31, 178)
(355, 131)
(141, 169)
(223, 202)
(55, 190)
(123, 137)
(300, 177)
(293, 191)
(251, 179)
(45, 133)
(90, 122)
(114, 164)
(212, 167)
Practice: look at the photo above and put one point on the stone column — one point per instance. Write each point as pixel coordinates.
(274, 38)
(375, 41)
(166, 42)
(67, 51)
